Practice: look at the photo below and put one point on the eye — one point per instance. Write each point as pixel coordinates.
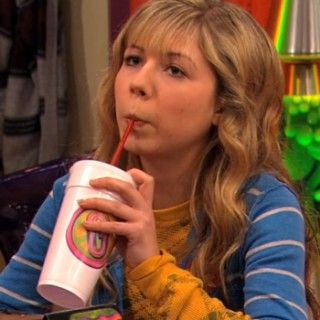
(132, 60)
(176, 71)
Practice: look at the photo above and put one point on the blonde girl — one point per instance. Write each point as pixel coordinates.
(214, 229)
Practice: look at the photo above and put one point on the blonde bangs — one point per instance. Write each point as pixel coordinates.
(161, 32)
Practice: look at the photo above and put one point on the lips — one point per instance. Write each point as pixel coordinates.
(133, 117)
(138, 122)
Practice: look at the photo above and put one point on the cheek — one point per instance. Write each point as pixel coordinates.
(120, 85)
(195, 111)
(195, 104)
(175, 101)
(117, 87)
(119, 95)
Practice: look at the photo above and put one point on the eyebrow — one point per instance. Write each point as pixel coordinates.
(178, 55)
(170, 54)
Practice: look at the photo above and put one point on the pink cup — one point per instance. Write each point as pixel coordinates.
(76, 257)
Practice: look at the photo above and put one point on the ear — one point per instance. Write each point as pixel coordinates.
(216, 117)
(217, 110)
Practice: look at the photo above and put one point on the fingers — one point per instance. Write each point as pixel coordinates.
(137, 201)
(145, 186)
(124, 189)
(134, 222)
(111, 207)
(112, 227)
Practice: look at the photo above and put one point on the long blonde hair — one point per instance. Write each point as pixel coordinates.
(249, 100)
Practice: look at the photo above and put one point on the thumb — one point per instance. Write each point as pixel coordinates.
(145, 184)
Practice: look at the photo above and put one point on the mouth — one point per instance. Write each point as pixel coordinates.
(138, 122)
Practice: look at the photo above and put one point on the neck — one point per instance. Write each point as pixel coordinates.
(173, 180)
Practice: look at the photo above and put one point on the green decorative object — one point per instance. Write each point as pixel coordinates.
(302, 155)
(294, 26)
(297, 161)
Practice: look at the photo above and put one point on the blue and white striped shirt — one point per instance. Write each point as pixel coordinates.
(265, 278)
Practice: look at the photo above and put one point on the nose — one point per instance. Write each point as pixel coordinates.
(138, 91)
(142, 81)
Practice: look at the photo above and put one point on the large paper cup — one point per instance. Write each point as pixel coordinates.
(76, 257)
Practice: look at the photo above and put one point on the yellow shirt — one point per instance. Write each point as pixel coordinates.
(159, 289)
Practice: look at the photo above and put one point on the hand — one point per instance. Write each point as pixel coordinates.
(134, 222)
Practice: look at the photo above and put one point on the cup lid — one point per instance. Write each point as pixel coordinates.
(85, 170)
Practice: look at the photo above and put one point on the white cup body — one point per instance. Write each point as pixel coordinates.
(76, 257)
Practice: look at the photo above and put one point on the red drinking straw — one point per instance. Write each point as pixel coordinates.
(116, 156)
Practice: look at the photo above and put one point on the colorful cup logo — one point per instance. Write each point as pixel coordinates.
(89, 247)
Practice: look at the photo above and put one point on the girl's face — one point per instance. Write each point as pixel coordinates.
(170, 95)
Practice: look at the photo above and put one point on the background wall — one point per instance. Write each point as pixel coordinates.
(87, 35)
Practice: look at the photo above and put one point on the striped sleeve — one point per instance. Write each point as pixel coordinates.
(275, 257)
(19, 279)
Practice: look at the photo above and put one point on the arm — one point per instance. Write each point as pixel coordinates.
(275, 258)
(176, 291)
(19, 279)
(178, 294)
(274, 269)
